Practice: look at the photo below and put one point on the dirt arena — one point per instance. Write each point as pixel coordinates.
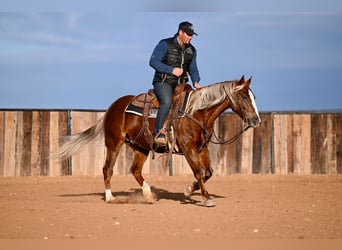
(247, 207)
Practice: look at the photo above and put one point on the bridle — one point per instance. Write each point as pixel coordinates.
(208, 135)
(238, 134)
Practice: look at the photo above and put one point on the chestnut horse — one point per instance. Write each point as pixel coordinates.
(194, 130)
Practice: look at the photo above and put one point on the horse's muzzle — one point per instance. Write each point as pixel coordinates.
(254, 122)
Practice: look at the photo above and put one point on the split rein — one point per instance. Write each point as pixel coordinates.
(231, 140)
(208, 136)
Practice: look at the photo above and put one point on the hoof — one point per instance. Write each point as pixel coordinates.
(148, 195)
(150, 200)
(209, 203)
(108, 197)
(112, 200)
(188, 191)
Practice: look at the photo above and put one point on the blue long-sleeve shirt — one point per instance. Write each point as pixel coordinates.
(159, 53)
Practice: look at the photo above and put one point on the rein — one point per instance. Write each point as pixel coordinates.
(231, 140)
(209, 135)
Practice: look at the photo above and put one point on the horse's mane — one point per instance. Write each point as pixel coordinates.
(211, 95)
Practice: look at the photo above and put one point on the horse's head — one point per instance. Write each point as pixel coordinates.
(243, 102)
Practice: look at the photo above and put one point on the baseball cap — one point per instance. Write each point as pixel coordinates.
(187, 27)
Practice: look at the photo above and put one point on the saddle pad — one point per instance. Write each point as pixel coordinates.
(132, 109)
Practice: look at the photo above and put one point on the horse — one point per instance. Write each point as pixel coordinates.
(194, 131)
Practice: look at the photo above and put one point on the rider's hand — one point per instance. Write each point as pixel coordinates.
(177, 72)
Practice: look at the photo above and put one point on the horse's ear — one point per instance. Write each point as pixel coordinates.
(248, 82)
(242, 80)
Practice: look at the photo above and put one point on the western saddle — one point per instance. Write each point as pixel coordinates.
(149, 100)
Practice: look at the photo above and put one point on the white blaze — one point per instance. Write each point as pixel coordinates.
(251, 96)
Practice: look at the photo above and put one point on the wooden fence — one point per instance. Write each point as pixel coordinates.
(300, 143)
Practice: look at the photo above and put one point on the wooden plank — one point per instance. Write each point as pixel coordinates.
(290, 149)
(247, 152)
(338, 152)
(76, 128)
(55, 166)
(305, 165)
(284, 164)
(301, 144)
(36, 146)
(63, 120)
(2, 143)
(232, 152)
(226, 154)
(297, 143)
(280, 131)
(318, 143)
(266, 150)
(45, 143)
(262, 146)
(10, 140)
(331, 144)
(25, 166)
(259, 133)
(18, 143)
(276, 143)
(260, 138)
(218, 152)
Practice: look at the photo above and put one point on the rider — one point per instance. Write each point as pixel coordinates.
(173, 59)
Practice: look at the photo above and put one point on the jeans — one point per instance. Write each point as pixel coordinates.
(164, 93)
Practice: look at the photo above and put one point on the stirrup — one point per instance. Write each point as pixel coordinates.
(160, 139)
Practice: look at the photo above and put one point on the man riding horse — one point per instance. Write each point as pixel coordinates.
(173, 59)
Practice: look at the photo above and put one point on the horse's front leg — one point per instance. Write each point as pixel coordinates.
(191, 188)
(200, 165)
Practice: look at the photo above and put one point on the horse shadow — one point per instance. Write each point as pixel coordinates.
(135, 196)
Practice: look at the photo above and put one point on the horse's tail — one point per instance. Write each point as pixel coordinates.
(74, 143)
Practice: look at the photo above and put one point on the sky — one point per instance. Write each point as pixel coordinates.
(81, 55)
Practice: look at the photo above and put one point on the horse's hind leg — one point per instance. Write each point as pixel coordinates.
(112, 154)
(136, 169)
(107, 174)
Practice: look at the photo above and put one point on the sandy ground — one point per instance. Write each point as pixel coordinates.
(247, 207)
